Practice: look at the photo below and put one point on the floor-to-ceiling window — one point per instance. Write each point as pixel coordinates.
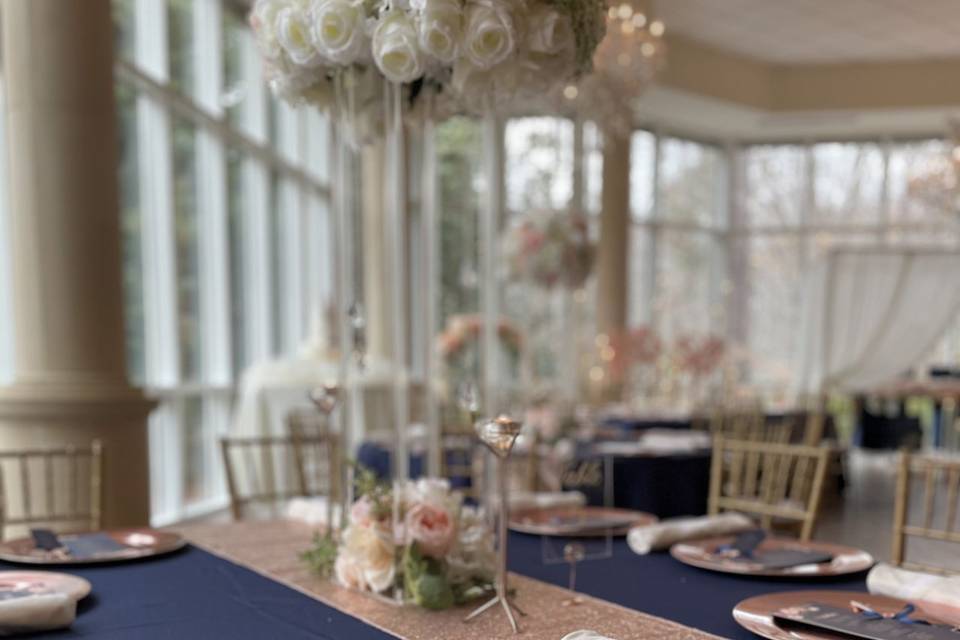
(224, 211)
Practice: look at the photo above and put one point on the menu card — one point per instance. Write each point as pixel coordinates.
(92, 545)
(858, 625)
(744, 549)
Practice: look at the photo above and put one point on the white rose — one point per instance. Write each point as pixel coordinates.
(490, 35)
(395, 49)
(338, 30)
(263, 20)
(550, 31)
(441, 26)
(293, 32)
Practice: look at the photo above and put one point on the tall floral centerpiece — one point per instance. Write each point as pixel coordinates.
(374, 65)
(472, 52)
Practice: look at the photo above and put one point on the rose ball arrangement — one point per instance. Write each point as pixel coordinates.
(436, 550)
(550, 248)
(468, 51)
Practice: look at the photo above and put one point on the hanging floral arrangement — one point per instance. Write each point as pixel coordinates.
(550, 248)
(473, 53)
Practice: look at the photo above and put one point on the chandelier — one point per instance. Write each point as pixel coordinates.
(625, 65)
(938, 185)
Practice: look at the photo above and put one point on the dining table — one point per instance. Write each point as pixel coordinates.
(246, 580)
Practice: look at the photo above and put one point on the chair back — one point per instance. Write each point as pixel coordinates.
(749, 422)
(267, 471)
(935, 480)
(319, 458)
(458, 453)
(58, 488)
(777, 482)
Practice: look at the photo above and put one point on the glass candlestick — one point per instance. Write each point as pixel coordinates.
(325, 398)
(499, 435)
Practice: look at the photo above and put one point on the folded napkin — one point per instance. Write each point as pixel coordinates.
(585, 635)
(662, 535)
(886, 580)
(523, 500)
(673, 440)
(312, 511)
(37, 612)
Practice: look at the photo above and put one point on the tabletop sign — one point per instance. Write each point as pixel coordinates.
(592, 476)
(858, 625)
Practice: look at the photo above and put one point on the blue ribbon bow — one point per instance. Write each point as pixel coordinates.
(901, 616)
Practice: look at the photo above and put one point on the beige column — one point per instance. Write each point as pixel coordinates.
(70, 381)
(613, 250)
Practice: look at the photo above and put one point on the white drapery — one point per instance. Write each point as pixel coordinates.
(872, 313)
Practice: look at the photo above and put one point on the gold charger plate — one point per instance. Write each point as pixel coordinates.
(578, 522)
(701, 553)
(12, 582)
(756, 614)
(138, 543)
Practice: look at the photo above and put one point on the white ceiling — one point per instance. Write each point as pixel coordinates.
(819, 31)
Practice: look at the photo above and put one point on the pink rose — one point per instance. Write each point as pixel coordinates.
(432, 528)
(361, 513)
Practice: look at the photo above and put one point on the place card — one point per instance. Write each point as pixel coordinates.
(861, 625)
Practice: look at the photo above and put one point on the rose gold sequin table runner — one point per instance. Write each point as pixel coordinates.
(272, 549)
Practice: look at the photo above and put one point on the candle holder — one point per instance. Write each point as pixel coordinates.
(499, 435)
(326, 398)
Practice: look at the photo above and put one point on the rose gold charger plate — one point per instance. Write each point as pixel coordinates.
(37, 582)
(138, 543)
(578, 522)
(702, 554)
(756, 614)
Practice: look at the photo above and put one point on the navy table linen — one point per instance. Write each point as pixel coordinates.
(193, 594)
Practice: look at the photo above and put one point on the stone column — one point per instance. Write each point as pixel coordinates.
(613, 250)
(70, 382)
(614, 246)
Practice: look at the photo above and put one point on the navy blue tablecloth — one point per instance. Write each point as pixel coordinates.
(193, 594)
(659, 585)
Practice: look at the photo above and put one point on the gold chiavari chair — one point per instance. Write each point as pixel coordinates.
(458, 453)
(939, 480)
(271, 473)
(781, 483)
(317, 452)
(749, 424)
(60, 487)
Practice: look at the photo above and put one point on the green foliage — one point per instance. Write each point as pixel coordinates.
(322, 555)
(368, 485)
(588, 18)
(424, 581)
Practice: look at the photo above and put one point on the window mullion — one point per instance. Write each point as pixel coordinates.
(290, 237)
(212, 197)
(256, 196)
(155, 174)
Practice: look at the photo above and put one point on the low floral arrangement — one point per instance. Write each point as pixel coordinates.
(550, 248)
(700, 356)
(463, 332)
(470, 51)
(437, 551)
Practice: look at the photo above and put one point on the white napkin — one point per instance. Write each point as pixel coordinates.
(662, 535)
(36, 613)
(585, 635)
(312, 511)
(886, 580)
(674, 440)
(523, 500)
